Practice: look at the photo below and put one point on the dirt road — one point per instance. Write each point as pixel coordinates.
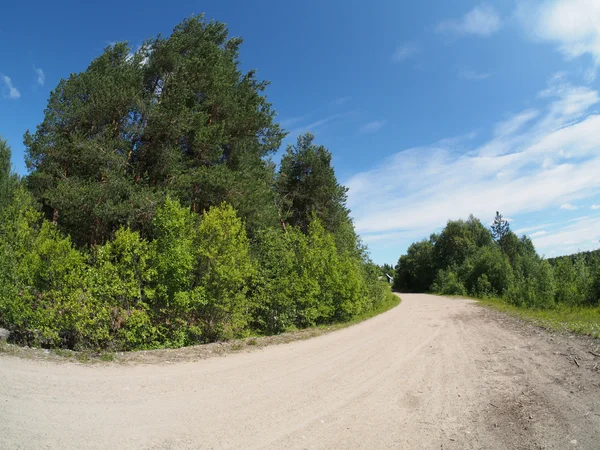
(432, 373)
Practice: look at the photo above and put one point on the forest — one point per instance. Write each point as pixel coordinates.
(466, 258)
(152, 214)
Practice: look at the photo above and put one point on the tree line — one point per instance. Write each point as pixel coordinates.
(153, 216)
(466, 258)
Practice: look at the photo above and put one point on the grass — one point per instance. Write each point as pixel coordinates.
(107, 357)
(83, 357)
(63, 353)
(578, 320)
(5, 348)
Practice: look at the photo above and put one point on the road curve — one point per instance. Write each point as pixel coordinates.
(431, 373)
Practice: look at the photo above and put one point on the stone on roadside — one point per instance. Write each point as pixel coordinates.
(4, 334)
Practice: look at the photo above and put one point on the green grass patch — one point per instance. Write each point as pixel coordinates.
(63, 353)
(578, 320)
(237, 345)
(107, 357)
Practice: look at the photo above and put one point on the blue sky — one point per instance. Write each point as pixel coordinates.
(433, 110)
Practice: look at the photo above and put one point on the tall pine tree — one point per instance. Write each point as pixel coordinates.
(8, 180)
(499, 228)
(306, 186)
(176, 116)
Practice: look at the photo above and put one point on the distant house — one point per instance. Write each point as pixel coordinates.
(389, 279)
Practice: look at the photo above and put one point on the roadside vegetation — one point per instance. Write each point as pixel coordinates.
(153, 216)
(468, 259)
(580, 320)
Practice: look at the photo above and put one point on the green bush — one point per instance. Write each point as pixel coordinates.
(121, 278)
(176, 295)
(276, 283)
(447, 282)
(487, 271)
(224, 270)
(48, 302)
(483, 288)
(575, 285)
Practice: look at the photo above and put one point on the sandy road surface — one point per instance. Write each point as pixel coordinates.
(431, 373)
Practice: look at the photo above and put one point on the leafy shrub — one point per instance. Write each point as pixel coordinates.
(276, 282)
(175, 295)
(48, 301)
(224, 270)
(483, 288)
(121, 278)
(534, 284)
(487, 271)
(447, 283)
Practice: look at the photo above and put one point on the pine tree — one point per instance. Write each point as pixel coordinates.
(307, 187)
(8, 180)
(176, 116)
(499, 228)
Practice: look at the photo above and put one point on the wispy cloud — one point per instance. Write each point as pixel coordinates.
(10, 91)
(594, 207)
(319, 123)
(483, 20)
(515, 123)
(538, 234)
(528, 230)
(568, 207)
(41, 77)
(572, 25)
(581, 234)
(405, 51)
(552, 161)
(472, 75)
(372, 127)
(285, 123)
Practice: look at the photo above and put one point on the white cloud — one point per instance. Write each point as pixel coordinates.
(13, 92)
(581, 234)
(483, 20)
(572, 25)
(515, 123)
(421, 188)
(405, 51)
(372, 127)
(595, 207)
(527, 230)
(538, 234)
(41, 77)
(568, 207)
(471, 75)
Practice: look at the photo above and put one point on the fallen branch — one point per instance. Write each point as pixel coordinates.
(595, 354)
